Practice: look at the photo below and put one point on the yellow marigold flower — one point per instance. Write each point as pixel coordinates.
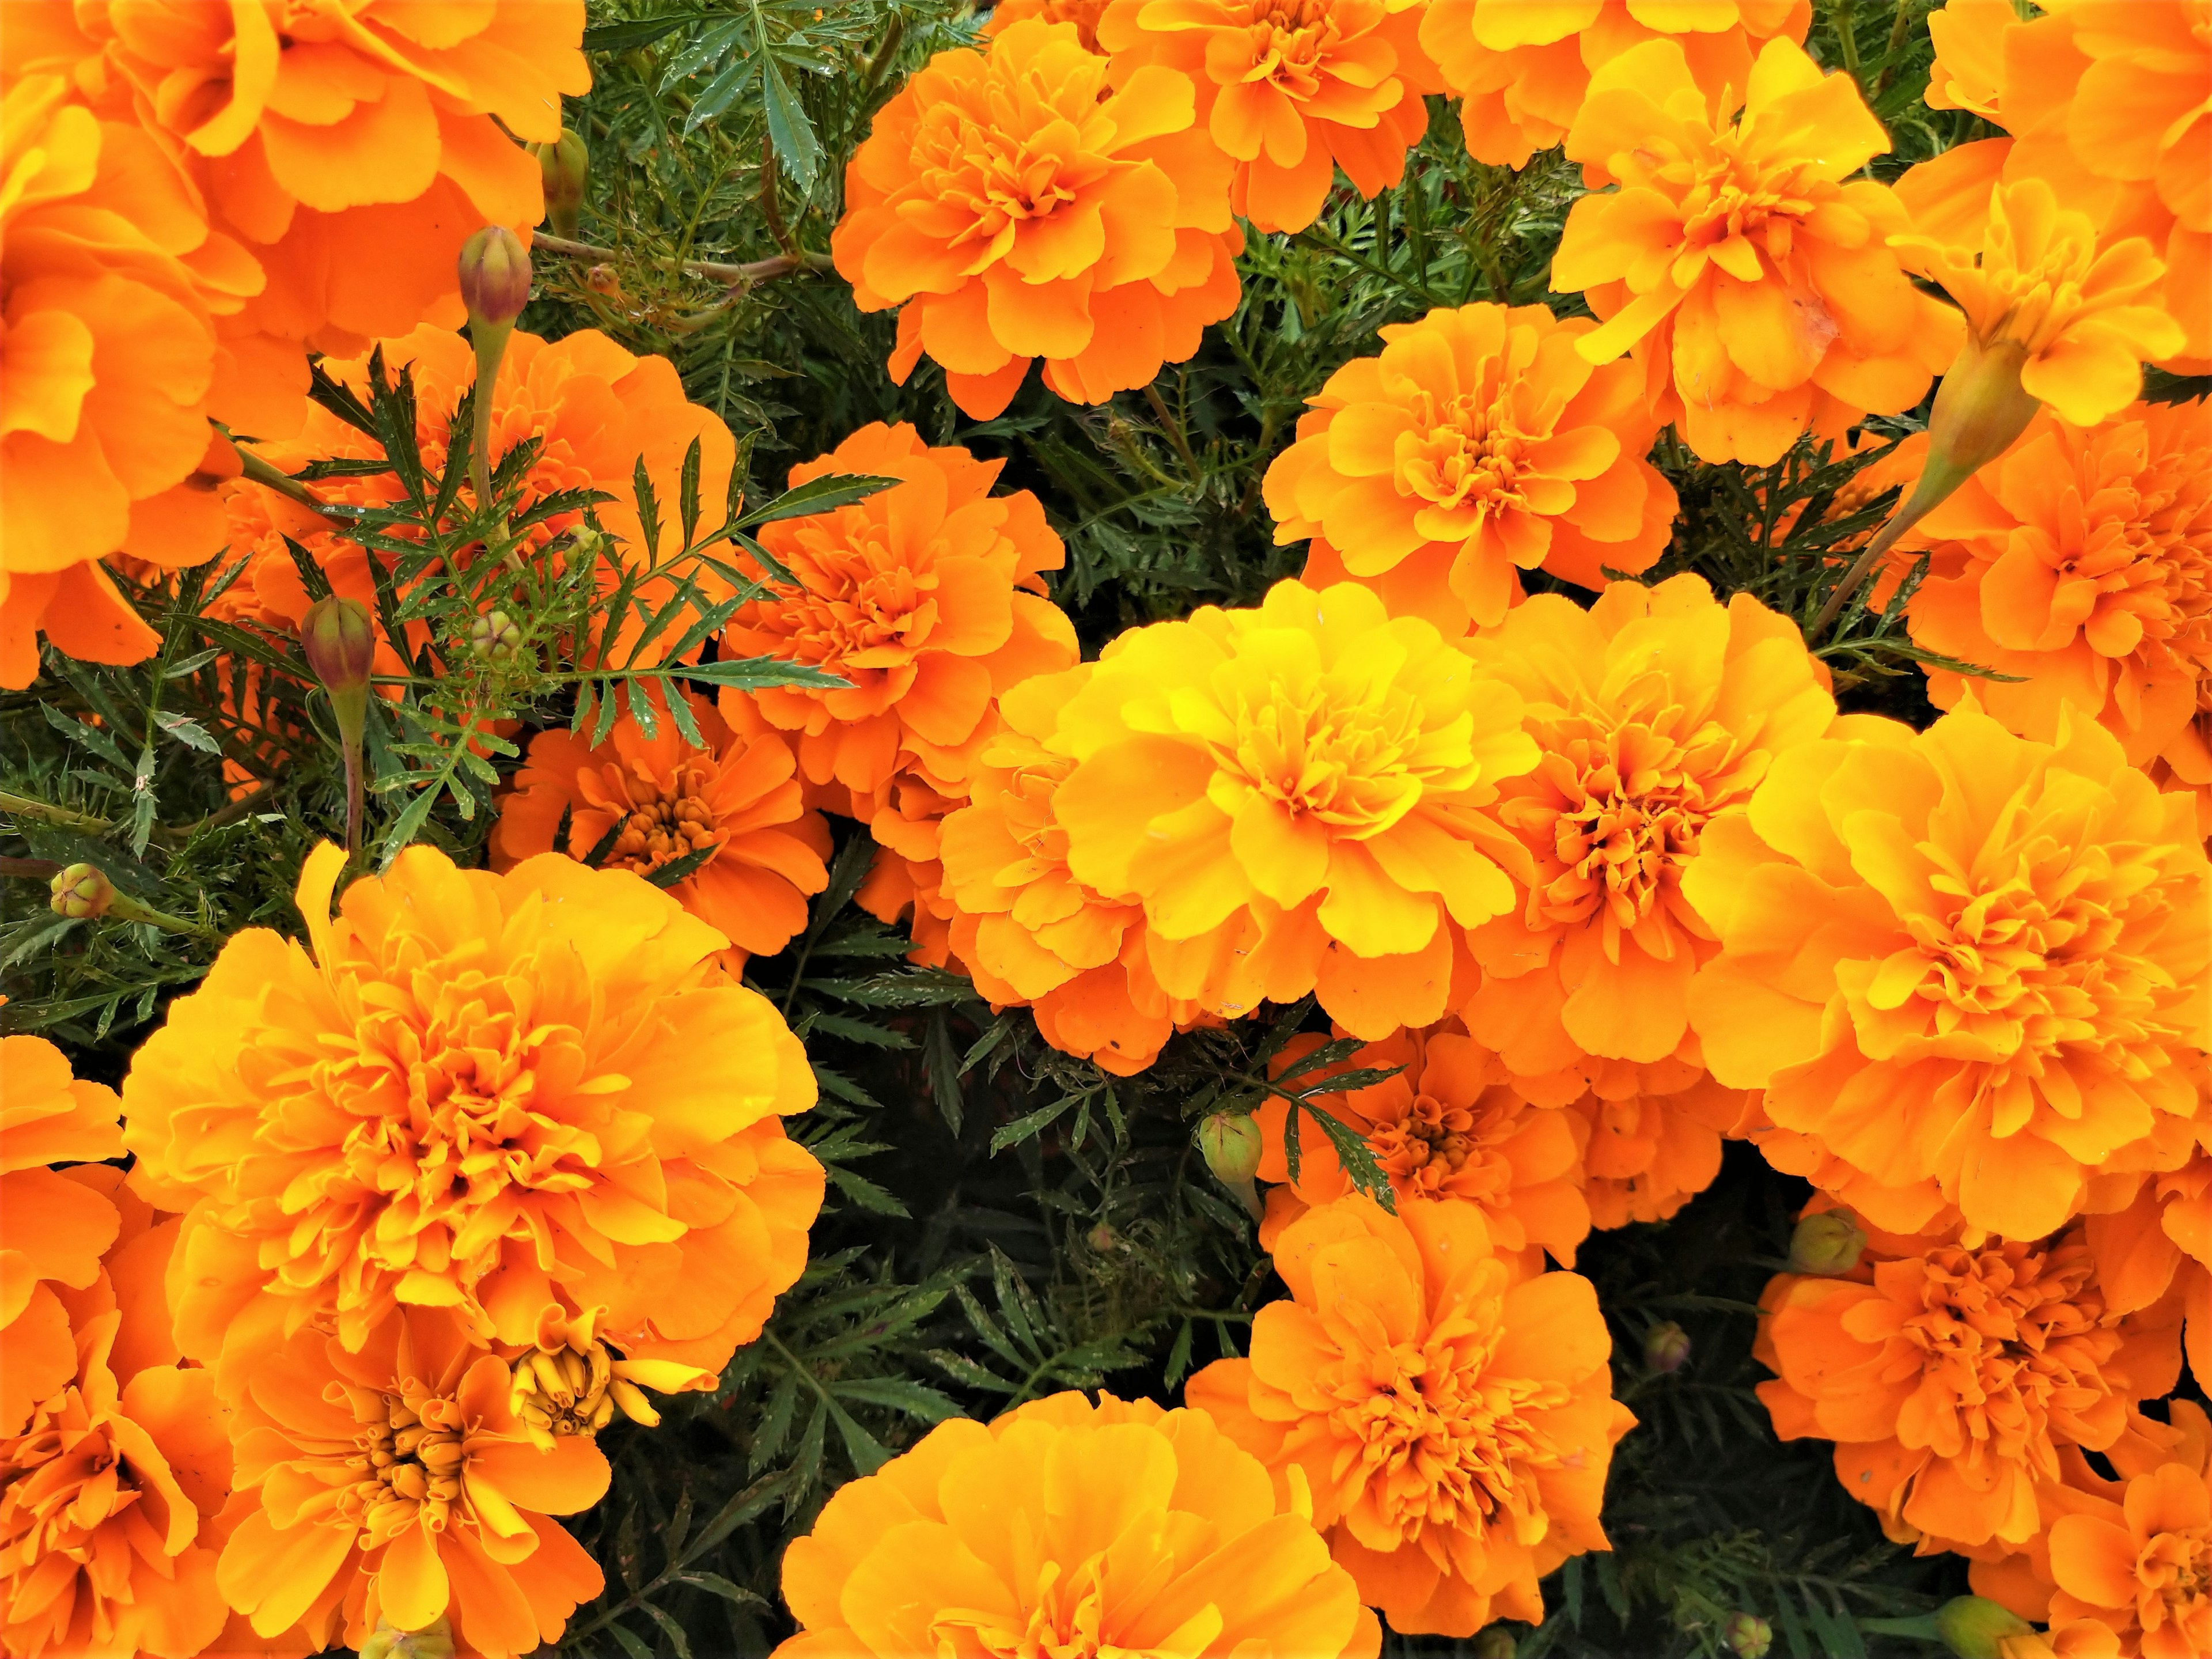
(663, 800)
(1454, 1419)
(2071, 313)
(2082, 564)
(1067, 1527)
(1654, 711)
(1964, 965)
(397, 1483)
(1950, 1374)
(1478, 443)
(1522, 68)
(1013, 205)
(1298, 796)
(53, 1229)
(1745, 266)
(465, 1068)
(1449, 1125)
(1291, 89)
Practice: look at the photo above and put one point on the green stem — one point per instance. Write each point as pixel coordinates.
(270, 476)
(23, 806)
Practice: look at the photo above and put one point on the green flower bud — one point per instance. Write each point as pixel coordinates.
(1495, 1643)
(432, 1641)
(1974, 1627)
(566, 167)
(495, 277)
(1748, 1636)
(495, 636)
(83, 891)
(1829, 1243)
(1230, 1142)
(339, 638)
(1666, 1346)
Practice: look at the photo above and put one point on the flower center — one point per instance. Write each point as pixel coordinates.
(61, 1480)
(1464, 448)
(1067, 1620)
(565, 1392)
(1346, 759)
(407, 1461)
(671, 821)
(1729, 197)
(2173, 1573)
(860, 604)
(1291, 40)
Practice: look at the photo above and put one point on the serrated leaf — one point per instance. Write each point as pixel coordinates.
(676, 869)
(822, 494)
(789, 128)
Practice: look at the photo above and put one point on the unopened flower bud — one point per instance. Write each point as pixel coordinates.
(83, 891)
(1666, 1346)
(566, 167)
(1230, 1142)
(602, 280)
(1495, 1643)
(495, 277)
(1748, 1635)
(387, 1641)
(493, 635)
(339, 637)
(1828, 1243)
(1103, 1239)
(1974, 1627)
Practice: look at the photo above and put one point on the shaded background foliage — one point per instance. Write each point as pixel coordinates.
(1004, 1220)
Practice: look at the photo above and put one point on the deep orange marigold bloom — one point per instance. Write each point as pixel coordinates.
(1654, 711)
(1016, 208)
(1967, 965)
(2079, 307)
(353, 151)
(111, 283)
(1740, 262)
(486, 1093)
(662, 799)
(111, 1492)
(1067, 1527)
(397, 1483)
(1478, 443)
(1654, 1146)
(53, 1229)
(1522, 68)
(2082, 564)
(928, 597)
(1950, 1375)
(1291, 89)
(1082, 14)
(1453, 1418)
(1298, 795)
(1449, 1125)
(1027, 929)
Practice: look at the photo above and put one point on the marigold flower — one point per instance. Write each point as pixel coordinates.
(1522, 68)
(1649, 1152)
(1027, 930)
(111, 282)
(110, 1495)
(1297, 795)
(1949, 1374)
(468, 1068)
(397, 1483)
(1449, 1125)
(928, 597)
(1654, 711)
(1454, 1419)
(1479, 442)
(53, 1229)
(1291, 89)
(1069, 1527)
(1745, 267)
(1964, 963)
(662, 799)
(2082, 564)
(905, 879)
(1082, 14)
(1016, 208)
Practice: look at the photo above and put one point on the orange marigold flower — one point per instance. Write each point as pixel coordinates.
(111, 283)
(655, 800)
(905, 879)
(1028, 931)
(1298, 795)
(1291, 90)
(1652, 1148)
(111, 1492)
(1454, 1419)
(1449, 1125)
(1082, 14)
(1479, 442)
(2080, 563)
(53, 1229)
(1969, 70)
(1016, 208)
(1740, 261)
(1654, 711)
(1067, 1527)
(480, 1092)
(397, 1483)
(2075, 308)
(1949, 1374)
(1968, 965)
(1522, 68)
(928, 597)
